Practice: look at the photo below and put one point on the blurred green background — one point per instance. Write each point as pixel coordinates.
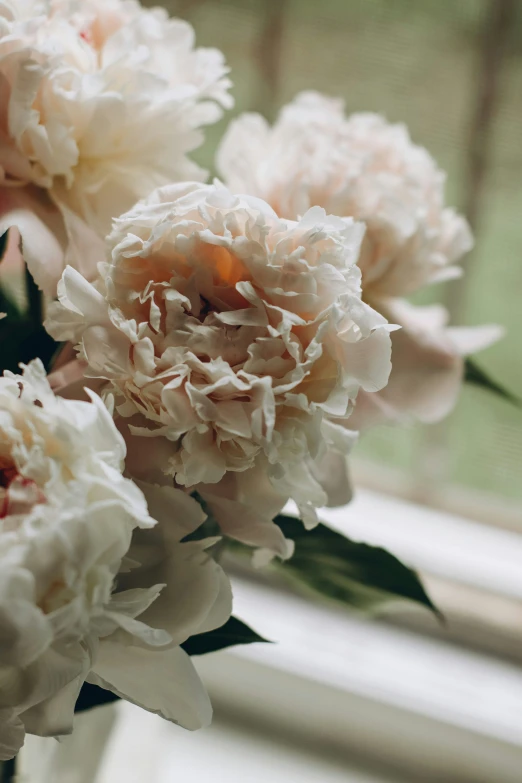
(452, 71)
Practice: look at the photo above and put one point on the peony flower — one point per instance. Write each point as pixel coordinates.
(67, 518)
(102, 102)
(362, 166)
(238, 339)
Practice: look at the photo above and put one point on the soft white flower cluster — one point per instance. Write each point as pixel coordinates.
(237, 337)
(102, 102)
(363, 167)
(70, 590)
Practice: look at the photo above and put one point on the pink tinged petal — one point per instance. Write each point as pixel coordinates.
(69, 381)
(78, 295)
(424, 383)
(237, 155)
(164, 682)
(201, 460)
(106, 350)
(446, 274)
(166, 503)
(427, 392)
(371, 409)
(331, 472)
(367, 362)
(242, 522)
(427, 363)
(337, 437)
(298, 483)
(85, 249)
(147, 459)
(143, 356)
(178, 406)
(472, 339)
(232, 417)
(43, 238)
(252, 316)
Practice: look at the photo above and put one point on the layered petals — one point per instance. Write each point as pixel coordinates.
(364, 167)
(77, 582)
(231, 335)
(101, 103)
(360, 166)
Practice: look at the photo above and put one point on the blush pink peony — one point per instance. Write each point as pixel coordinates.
(367, 168)
(238, 339)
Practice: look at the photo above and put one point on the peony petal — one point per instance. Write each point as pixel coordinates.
(171, 688)
(42, 232)
(332, 474)
(367, 363)
(471, 339)
(242, 522)
(426, 376)
(12, 734)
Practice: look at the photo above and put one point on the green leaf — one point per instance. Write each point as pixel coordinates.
(93, 696)
(354, 574)
(3, 244)
(477, 377)
(233, 632)
(20, 341)
(8, 306)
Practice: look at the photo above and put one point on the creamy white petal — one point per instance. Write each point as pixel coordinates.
(230, 334)
(172, 688)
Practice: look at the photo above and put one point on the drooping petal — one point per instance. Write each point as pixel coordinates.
(171, 689)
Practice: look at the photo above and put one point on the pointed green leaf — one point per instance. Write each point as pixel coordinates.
(93, 696)
(354, 574)
(233, 632)
(477, 377)
(9, 306)
(3, 244)
(20, 341)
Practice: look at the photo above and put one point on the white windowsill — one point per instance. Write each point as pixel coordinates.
(335, 688)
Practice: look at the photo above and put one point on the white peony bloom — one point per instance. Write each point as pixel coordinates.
(359, 166)
(103, 102)
(67, 518)
(363, 167)
(196, 598)
(237, 338)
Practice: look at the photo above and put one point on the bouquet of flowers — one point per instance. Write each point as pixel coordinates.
(191, 356)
